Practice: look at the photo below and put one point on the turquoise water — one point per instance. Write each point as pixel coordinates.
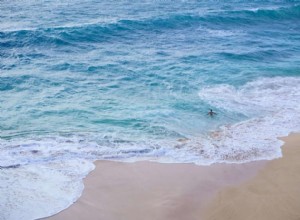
(128, 81)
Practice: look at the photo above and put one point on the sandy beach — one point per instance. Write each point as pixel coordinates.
(273, 194)
(148, 190)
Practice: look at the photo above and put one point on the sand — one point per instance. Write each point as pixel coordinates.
(154, 191)
(273, 194)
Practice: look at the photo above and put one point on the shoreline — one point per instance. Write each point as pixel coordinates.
(150, 190)
(273, 194)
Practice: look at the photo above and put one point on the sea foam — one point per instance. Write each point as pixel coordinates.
(272, 108)
(34, 191)
(79, 83)
(52, 168)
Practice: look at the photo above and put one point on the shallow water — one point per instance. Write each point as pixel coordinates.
(128, 81)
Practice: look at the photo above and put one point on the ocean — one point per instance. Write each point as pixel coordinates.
(128, 81)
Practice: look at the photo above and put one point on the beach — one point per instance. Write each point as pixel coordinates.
(106, 109)
(148, 190)
(273, 194)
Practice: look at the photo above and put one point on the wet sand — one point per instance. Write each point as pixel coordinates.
(273, 194)
(153, 191)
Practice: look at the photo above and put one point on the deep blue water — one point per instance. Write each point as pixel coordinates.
(128, 81)
(135, 68)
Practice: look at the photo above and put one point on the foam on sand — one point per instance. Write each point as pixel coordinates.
(33, 191)
(272, 108)
(51, 168)
(273, 193)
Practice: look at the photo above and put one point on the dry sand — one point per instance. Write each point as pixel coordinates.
(274, 194)
(153, 191)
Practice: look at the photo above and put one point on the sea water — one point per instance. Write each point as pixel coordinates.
(128, 81)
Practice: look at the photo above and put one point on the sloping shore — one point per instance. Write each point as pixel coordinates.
(273, 194)
(148, 190)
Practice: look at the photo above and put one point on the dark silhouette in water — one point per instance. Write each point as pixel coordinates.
(211, 113)
(10, 166)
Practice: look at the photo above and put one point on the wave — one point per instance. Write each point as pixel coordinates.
(281, 13)
(123, 30)
(53, 168)
(59, 184)
(270, 104)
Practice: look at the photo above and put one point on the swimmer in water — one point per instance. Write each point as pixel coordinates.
(211, 113)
